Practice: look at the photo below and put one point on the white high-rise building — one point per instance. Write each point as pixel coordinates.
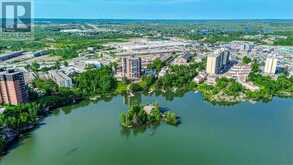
(217, 61)
(271, 65)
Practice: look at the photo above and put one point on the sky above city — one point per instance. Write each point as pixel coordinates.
(164, 9)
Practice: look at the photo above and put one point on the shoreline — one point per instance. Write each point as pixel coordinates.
(15, 134)
(45, 112)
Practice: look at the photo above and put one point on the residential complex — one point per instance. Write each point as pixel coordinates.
(200, 78)
(240, 46)
(239, 72)
(183, 59)
(61, 79)
(131, 68)
(12, 87)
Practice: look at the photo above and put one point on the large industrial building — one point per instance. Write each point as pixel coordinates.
(12, 87)
(217, 61)
(11, 55)
(131, 68)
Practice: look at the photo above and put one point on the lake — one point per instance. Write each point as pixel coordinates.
(90, 134)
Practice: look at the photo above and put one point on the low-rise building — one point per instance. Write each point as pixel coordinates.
(237, 46)
(95, 63)
(91, 49)
(163, 72)
(167, 58)
(184, 59)
(61, 79)
(40, 53)
(150, 72)
(70, 71)
(212, 79)
(200, 78)
(249, 85)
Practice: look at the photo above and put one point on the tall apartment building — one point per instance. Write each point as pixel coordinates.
(271, 65)
(217, 61)
(12, 87)
(131, 68)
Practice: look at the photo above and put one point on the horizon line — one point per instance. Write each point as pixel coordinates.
(191, 19)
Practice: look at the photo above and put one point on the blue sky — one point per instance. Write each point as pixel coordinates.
(164, 9)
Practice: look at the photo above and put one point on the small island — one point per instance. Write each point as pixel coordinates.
(144, 115)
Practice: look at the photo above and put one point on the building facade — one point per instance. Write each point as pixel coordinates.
(131, 68)
(217, 61)
(239, 72)
(12, 87)
(271, 65)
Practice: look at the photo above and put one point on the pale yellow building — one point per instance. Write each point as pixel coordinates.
(211, 64)
(217, 61)
(271, 65)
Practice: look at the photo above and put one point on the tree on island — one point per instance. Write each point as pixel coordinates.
(171, 118)
(142, 116)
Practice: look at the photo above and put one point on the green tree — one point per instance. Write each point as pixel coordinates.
(171, 118)
(157, 64)
(96, 81)
(35, 66)
(246, 60)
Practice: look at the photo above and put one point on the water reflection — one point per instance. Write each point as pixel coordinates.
(168, 95)
(68, 109)
(129, 100)
(148, 130)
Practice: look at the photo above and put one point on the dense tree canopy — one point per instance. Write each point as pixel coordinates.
(157, 64)
(246, 60)
(96, 81)
(178, 76)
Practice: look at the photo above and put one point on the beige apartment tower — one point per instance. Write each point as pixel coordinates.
(217, 61)
(271, 65)
(211, 64)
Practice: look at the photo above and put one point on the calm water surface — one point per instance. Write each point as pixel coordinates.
(90, 134)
